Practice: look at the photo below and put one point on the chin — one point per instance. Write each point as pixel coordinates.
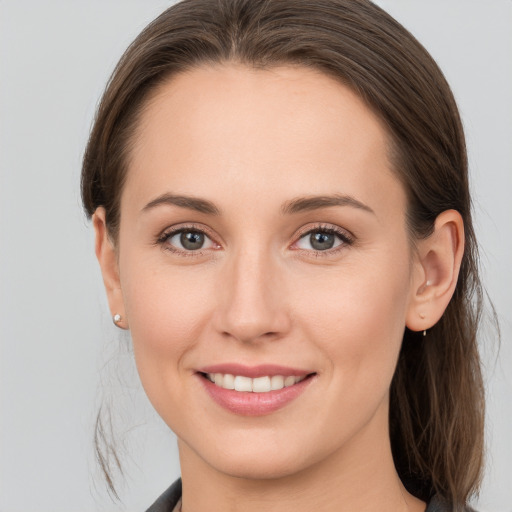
(261, 460)
(270, 468)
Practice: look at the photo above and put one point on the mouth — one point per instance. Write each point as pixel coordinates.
(262, 384)
(254, 391)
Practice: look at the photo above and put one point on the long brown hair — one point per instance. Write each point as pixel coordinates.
(437, 399)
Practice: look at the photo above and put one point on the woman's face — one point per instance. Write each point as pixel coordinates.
(263, 236)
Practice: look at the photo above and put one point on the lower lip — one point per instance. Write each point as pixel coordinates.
(254, 404)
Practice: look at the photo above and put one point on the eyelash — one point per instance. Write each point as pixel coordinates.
(169, 233)
(347, 239)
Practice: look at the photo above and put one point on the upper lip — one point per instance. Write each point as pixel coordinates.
(253, 372)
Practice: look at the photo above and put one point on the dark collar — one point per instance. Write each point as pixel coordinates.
(167, 501)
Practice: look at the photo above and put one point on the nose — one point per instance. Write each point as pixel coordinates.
(253, 300)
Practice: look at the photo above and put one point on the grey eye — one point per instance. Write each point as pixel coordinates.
(321, 241)
(190, 240)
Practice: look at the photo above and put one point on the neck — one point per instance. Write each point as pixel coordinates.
(360, 477)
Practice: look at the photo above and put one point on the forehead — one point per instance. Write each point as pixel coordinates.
(230, 127)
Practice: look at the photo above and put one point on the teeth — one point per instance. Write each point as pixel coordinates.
(257, 385)
(277, 382)
(243, 383)
(229, 381)
(261, 385)
(289, 381)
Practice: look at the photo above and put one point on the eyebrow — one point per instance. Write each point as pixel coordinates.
(189, 202)
(300, 204)
(303, 204)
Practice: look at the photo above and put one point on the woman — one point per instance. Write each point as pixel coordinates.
(280, 199)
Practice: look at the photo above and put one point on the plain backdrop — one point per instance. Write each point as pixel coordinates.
(61, 355)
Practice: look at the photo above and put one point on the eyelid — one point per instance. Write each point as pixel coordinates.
(346, 237)
(171, 231)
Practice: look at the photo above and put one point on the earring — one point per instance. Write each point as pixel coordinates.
(425, 332)
(116, 319)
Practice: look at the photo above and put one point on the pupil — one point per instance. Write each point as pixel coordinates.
(322, 241)
(192, 240)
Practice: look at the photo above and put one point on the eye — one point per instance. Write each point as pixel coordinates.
(187, 240)
(323, 239)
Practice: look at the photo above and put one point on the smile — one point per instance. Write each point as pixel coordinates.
(262, 384)
(254, 391)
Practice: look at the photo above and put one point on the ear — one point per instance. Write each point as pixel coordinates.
(436, 271)
(107, 258)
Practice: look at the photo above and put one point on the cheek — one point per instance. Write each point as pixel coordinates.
(357, 319)
(167, 309)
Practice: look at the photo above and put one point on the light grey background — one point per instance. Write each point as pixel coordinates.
(59, 351)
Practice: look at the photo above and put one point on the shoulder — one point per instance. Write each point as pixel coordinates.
(168, 500)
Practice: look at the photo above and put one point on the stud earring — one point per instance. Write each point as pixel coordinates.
(116, 319)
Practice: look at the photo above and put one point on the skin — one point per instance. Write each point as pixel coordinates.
(250, 142)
